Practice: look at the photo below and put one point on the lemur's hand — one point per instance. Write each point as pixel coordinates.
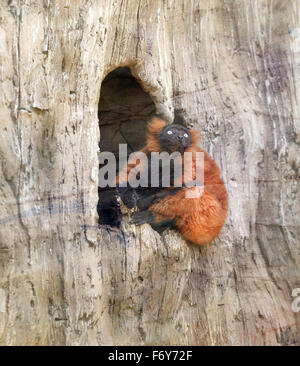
(142, 217)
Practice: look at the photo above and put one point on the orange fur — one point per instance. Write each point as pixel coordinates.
(155, 126)
(200, 219)
(154, 129)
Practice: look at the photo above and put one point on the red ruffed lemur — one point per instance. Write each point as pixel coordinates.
(198, 217)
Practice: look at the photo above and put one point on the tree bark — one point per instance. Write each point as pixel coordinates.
(232, 68)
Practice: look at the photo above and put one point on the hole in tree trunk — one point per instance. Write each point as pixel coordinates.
(124, 110)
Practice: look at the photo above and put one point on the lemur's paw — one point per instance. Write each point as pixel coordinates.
(142, 217)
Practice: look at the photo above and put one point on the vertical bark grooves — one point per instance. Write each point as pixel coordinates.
(232, 69)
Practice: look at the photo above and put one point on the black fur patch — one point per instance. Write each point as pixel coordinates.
(108, 208)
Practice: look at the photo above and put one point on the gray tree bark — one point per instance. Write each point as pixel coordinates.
(232, 68)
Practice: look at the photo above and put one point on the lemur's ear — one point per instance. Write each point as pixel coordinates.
(178, 119)
(195, 135)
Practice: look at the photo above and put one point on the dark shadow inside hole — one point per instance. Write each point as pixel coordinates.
(124, 111)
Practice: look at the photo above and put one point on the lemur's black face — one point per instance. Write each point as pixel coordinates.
(175, 138)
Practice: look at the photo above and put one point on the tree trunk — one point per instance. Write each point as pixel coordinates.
(232, 68)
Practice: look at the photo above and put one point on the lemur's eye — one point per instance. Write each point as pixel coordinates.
(169, 132)
(185, 135)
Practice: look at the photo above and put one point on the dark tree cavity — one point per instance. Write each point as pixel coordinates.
(124, 110)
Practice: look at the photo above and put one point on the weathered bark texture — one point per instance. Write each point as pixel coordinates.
(232, 68)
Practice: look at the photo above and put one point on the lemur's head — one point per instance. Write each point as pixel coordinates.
(170, 138)
(174, 137)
